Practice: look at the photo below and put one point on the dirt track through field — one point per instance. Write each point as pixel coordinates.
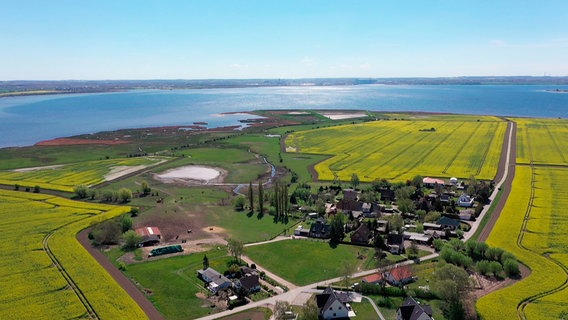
(119, 277)
(506, 187)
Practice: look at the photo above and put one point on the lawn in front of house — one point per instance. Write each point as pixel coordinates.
(173, 282)
(303, 261)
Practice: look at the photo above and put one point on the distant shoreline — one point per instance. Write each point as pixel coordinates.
(49, 87)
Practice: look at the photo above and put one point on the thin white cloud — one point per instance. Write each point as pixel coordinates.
(498, 42)
(307, 61)
(238, 66)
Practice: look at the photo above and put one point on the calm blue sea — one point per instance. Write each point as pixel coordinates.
(27, 120)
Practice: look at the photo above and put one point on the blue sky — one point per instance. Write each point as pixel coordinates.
(191, 39)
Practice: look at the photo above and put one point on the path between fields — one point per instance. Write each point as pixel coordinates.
(119, 277)
(507, 173)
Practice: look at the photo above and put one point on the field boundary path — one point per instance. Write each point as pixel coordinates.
(505, 176)
(119, 277)
(92, 314)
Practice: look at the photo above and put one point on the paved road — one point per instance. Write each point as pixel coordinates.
(375, 307)
(506, 172)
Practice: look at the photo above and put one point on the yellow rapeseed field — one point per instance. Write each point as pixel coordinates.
(534, 226)
(399, 150)
(65, 177)
(32, 284)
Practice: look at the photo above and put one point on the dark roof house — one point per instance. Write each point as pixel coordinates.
(361, 235)
(333, 305)
(448, 223)
(320, 229)
(412, 310)
(395, 242)
(248, 283)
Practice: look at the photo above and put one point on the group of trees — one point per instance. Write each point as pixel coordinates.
(279, 201)
(480, 256)
(122, 195)
(112, 231)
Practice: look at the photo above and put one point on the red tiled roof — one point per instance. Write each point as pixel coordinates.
(372, 278)
(429, 180)
(401, 273)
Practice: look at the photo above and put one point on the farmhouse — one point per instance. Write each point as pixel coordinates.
(248, 283)
(334, 305)
(395, 242)
(320, 229)
(465, 201)
(399, 276)
(214, 280)
(361, 235)
(412, 310)
(432, 182)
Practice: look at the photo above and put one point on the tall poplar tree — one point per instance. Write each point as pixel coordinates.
(251, 197)
(260, 198)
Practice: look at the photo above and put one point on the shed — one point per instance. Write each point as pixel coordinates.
(149, 231)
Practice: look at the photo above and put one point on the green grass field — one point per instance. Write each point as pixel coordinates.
(174, 290)
(248, 228)
(399, 150)
(303, 261)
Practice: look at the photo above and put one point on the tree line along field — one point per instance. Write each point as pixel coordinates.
(38, 228)
(534, 226)
(400, 150)
(65, 177)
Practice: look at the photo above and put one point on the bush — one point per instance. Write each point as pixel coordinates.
(81, 191)
(239, 203)
(386, 302)
(511, 268)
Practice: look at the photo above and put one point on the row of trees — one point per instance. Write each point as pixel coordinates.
(84, 192)
(279, 201)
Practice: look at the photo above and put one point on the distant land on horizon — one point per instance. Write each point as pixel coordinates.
(37, 87)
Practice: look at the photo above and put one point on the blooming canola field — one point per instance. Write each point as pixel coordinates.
(65, 177)
(534, 226)
(38, 233)
(397, 150)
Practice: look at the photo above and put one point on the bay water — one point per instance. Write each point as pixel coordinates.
(28, 119)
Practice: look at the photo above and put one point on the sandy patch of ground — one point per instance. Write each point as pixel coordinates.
(343, 115)
(193, 174)
(214, 229)
(38, 168)
(298, 112)
(119, 171)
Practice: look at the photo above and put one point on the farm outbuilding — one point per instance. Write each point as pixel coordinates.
(150, 236)
(149, 231)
